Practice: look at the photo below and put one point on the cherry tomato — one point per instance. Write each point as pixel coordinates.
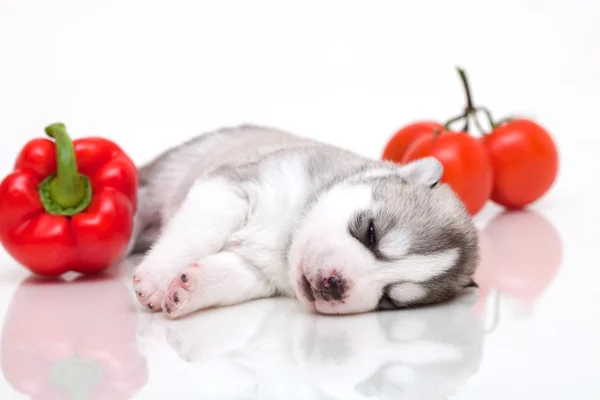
(467, 168)
(404, 137)
(525, 162)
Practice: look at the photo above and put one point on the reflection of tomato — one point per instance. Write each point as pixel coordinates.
(525, 162)
(520, 255)
(404, 137)
(528, 251)
(72, 339)
(466, 166)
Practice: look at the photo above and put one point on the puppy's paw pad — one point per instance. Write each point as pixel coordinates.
(180, 289)
(150, 290)
(174, 301)
(186, 280)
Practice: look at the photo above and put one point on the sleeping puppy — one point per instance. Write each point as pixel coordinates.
(252, 212)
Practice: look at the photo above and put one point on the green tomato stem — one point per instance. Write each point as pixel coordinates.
(465, 82)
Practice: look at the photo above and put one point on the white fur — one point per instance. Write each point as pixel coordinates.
(421, 268)
(408, 292)
(218, 279)
(212, 211)
(397, 245)
(275, 205)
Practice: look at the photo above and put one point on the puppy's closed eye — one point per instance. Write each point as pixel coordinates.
(363, 229)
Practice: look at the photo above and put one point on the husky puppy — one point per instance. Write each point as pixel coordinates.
(252, 212)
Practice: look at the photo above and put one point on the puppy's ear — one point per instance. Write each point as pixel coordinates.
(425, 171)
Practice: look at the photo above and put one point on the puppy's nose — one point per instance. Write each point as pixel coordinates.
(332, 288)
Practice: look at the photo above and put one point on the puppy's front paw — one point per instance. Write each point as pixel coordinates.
(181, 290)
(150, 286)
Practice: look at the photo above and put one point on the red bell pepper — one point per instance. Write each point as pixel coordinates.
(68, 205)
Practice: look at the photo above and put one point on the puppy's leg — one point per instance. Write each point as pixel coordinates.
(218, 280)
(211, 212)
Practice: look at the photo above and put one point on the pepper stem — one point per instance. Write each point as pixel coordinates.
(67, 192)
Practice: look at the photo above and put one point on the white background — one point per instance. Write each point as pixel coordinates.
(149, 74)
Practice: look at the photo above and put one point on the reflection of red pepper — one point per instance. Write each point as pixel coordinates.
(72, 339)
(68, 205)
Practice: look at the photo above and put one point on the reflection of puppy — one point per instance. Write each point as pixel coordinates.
(248, 213)
(417, 354)
(246, 344)
(270, 350)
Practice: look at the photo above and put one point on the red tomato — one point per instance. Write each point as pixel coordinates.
(467, 168)
(525, 162)
(404, 137)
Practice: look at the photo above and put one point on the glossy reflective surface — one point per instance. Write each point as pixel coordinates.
(72, 339)
(521, 335)
(151, 74)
